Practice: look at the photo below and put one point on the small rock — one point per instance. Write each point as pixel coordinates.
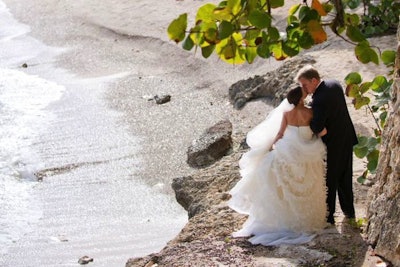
(85, 260)
(162, 99)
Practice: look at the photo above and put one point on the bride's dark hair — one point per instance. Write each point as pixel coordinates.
(294, 96)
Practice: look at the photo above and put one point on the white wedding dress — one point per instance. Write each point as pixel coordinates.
(282, 191)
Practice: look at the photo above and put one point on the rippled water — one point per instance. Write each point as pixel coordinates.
(69, 167)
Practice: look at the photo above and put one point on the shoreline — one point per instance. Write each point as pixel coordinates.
(164, 131)
(198, 87)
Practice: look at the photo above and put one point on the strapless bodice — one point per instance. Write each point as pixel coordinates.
(304, 132)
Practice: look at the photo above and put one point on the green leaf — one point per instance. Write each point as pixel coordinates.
(273, 34)
(290, 48)
(305, 40)
(205, 13)
(303, 12)
(188, 43)
(223, 4)
(211, 34)
(225, 29)
(388, 57)
(278, 52)
(222, 13)
(251, 4)
(361, 101)
(369, 30)
(260, 19)
(362, 178)
(372, 158)
(196, 35)
(353, 4)
(372, 142)
(383, 116)
(207, 51)
(306, 14)
(293, 9)
(353, 78)
(293, 30)
(354, 34)
(371, 165)
(177, 28)
(362, 141)
(328, 7)
(360, 152)
(204, 34)
(379, 83)
(235, 6)
(365, 53)
(292, 20)
(230, 49)
(276, 3)
(352, 19)
(252, 38)
(364, 87)
(251, 54)
(252, 34)
(263, 51)
(353, 90)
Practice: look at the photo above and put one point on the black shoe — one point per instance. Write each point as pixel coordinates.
(330, 220)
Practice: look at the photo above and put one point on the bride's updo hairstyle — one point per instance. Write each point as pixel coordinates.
(294, 96)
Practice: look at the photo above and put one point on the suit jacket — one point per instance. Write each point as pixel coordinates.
(330, 111)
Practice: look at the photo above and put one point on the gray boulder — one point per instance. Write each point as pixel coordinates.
(212, 145)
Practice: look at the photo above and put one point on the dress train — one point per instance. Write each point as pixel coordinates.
(282, 191)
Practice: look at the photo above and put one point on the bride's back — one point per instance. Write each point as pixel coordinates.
(299, 116)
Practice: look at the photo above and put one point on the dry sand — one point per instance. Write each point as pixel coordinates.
(121, 36)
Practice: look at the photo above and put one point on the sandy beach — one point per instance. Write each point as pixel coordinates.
(127, 42)
(130, 37)
(121, 47)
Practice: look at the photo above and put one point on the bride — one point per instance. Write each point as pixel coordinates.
(282, 189)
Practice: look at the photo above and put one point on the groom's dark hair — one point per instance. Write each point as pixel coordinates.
(294, 96)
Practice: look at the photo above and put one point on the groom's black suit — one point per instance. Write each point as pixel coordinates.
(330, 111)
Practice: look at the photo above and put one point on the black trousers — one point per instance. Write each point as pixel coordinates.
(339, 179)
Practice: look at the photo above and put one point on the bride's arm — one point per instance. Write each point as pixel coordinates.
(323, 132)
(282, 129)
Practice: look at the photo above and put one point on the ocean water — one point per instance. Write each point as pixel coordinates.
(69, 167)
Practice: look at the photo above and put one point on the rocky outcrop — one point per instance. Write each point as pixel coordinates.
(272, 86)
(206, 240)
(191, 200)
(384, 210)
(212, 145)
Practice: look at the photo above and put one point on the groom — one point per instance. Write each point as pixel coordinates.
(330, 112)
